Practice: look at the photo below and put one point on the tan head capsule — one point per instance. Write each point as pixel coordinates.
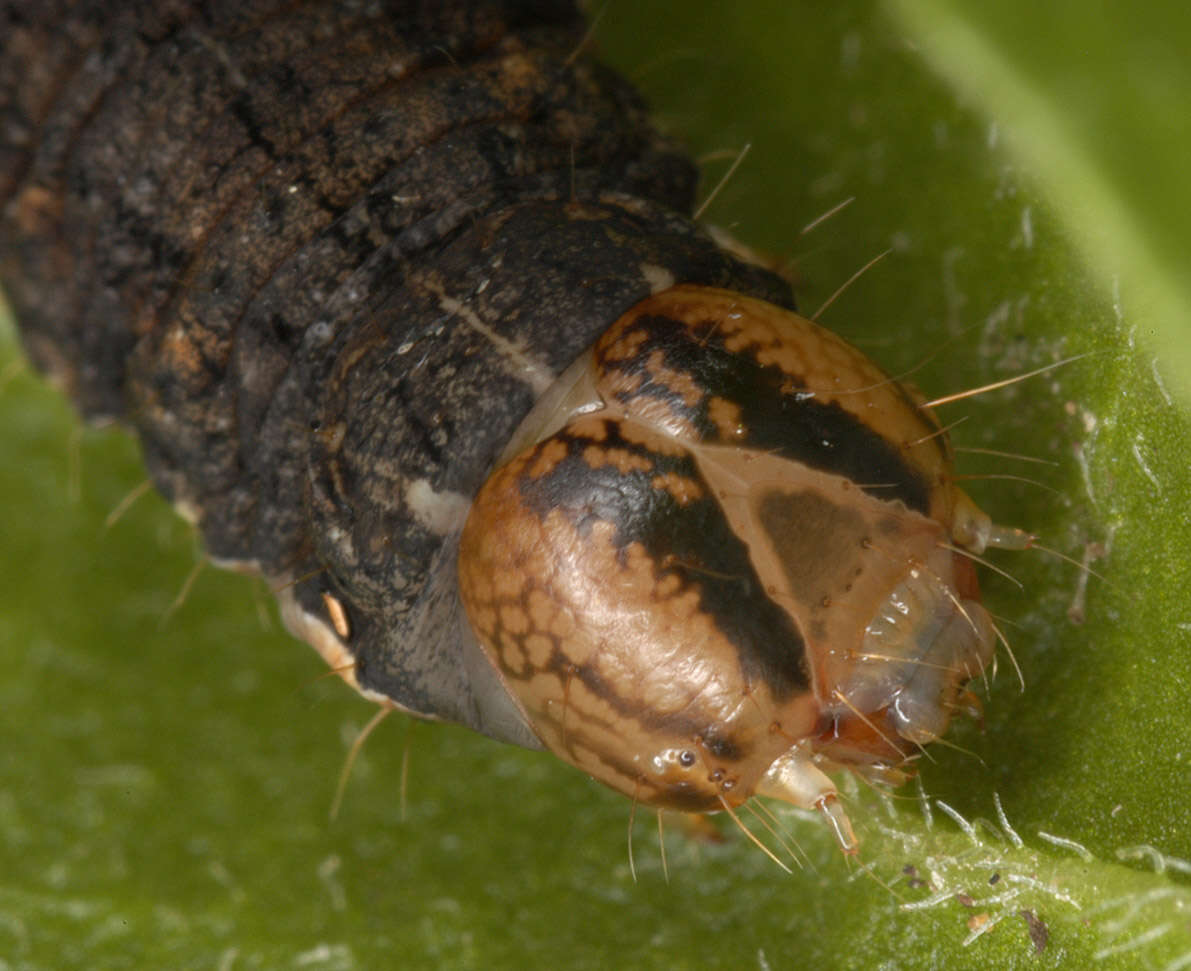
(718, 559)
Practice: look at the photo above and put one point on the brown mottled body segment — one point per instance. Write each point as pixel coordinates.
(337, 262)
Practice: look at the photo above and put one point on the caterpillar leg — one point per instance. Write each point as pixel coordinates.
(794, 778)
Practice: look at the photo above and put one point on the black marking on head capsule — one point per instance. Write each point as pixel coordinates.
(774, 415)
(692, 540)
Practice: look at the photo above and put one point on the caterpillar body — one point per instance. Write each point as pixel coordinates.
(407, 310)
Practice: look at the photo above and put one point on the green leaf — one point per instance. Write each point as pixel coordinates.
(164, 786)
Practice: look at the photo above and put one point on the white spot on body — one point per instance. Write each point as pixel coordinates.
(339, 538)
(441, 512)
(658, 277)
(188, 511)
(319, 333)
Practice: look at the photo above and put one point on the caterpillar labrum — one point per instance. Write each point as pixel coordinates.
(406, 306)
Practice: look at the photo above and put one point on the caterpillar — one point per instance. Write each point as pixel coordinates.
(407, 310)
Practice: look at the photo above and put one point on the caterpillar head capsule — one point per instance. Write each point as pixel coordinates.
(720, 557)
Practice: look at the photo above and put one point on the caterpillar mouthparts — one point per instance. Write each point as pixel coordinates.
(407, 312)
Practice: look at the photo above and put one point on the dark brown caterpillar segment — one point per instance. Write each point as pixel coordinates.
(323, 257)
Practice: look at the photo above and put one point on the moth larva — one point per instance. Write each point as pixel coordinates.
(344, 269)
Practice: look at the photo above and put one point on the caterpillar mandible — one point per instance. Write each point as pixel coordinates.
(406, 309)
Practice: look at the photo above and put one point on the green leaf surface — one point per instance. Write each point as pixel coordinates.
(165, 776)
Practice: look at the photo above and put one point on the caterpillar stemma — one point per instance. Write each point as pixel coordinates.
(407, 308)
